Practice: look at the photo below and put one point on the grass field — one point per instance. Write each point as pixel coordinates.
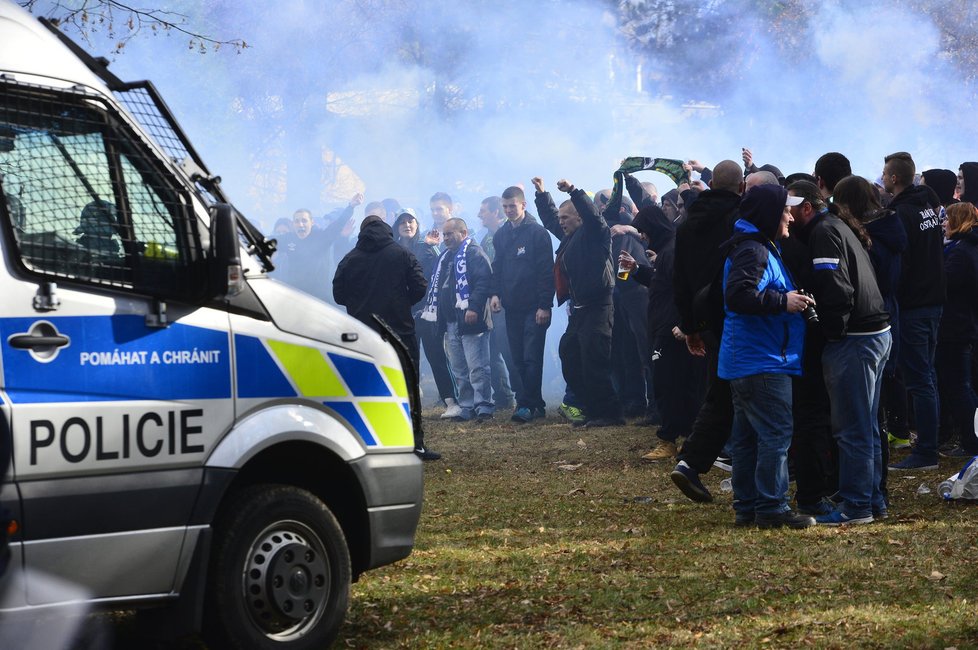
(544, 536)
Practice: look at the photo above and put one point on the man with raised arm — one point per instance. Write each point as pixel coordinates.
(585, 276)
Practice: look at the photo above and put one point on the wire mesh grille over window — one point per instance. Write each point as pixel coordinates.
(86, 201)
(143, 107)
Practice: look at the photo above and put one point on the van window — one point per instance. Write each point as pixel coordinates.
(88, 202)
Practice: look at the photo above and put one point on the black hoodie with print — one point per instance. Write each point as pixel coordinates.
(922, 282)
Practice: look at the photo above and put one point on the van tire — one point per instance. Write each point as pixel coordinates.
(280, 572)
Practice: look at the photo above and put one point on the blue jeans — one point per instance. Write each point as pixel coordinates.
(759, 443)
(918, 344)
(853, 369)
(468, 357)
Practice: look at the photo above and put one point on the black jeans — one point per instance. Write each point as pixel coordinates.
(679, 379)
(711, 429)
(433, 343)
(526, 344)
(813, 448)
(585, 359)
(630, 345)
(958, 398)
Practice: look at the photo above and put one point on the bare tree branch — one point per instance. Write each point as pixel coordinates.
(89, 16)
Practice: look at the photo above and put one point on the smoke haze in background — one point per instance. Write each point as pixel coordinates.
(409, 97)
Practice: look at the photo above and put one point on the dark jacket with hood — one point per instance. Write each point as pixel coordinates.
(942, 181)
(584, 256)
(523, 275)
(698, 254)
(959, 321)
(889, 242)
(922, 281)
(969, 171)
(759, 335)
(478, 272)
(847, 297)
(661, 234)
(379, 277)
(427, 256)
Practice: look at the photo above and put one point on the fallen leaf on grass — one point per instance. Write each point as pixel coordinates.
(569, 467)
(581, 443)
(576, 491)
(936, 576)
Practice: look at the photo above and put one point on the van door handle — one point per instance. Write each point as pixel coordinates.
(28, 341)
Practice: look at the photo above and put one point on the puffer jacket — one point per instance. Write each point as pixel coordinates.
(759, 335)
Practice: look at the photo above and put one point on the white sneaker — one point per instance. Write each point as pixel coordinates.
(453, 410)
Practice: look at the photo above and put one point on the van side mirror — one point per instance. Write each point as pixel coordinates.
(226, 276)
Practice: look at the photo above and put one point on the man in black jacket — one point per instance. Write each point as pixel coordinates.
(853, 318)
(678, 376)
(380, 277)
(583, 274)
(458, 301)
(698, 260)
(921, 299)
(306, 255)
(523, 285)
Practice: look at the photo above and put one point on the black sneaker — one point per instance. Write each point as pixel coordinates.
(688, 481)
(427, 454)
(744, 519)
(539, 413)
(955, 452)
(789, 518)
(723, 462)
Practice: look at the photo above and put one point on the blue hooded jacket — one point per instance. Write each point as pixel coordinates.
(759, 335)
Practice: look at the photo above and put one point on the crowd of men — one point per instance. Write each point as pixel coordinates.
(775, 324)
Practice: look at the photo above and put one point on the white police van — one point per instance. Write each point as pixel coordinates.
(183, 431)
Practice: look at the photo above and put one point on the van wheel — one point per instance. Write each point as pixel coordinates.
(280, 572)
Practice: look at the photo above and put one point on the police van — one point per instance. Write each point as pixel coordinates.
(183, 432)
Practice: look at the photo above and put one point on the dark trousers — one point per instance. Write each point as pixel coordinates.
(711, 429)
(526, 344)
(629, 349)
(585, 359)
(433, 343)
(918, 345)
(958, 398)
(813, 449)
(679, 380)
(502, 371)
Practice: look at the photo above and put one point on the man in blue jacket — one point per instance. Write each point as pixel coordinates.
(760, 350)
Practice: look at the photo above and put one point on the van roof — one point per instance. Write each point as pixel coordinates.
(28, 48)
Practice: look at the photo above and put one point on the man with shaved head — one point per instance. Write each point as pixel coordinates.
(698, 260)
(762, 177)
